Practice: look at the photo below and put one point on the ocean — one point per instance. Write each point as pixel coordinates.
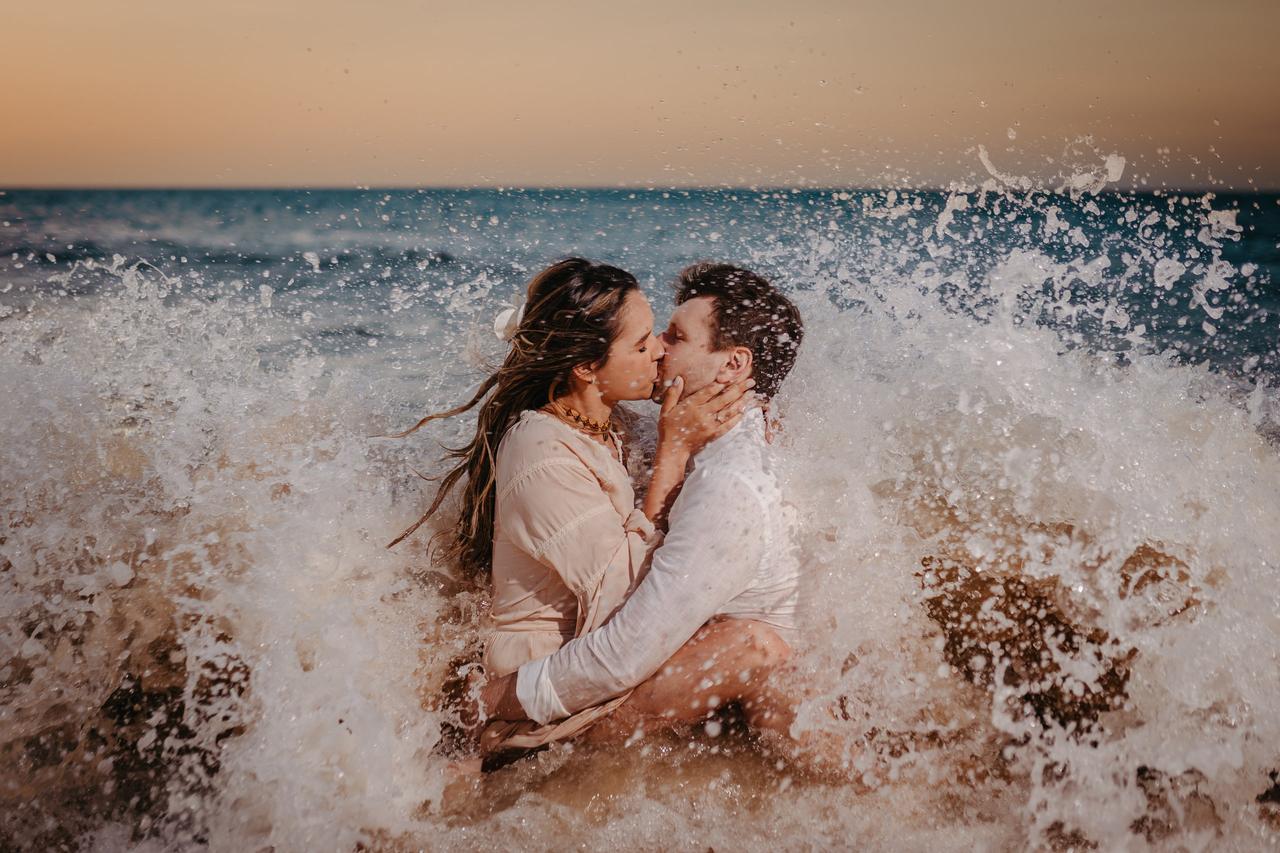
(1032, 438)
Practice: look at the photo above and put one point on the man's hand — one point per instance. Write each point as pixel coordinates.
(498, 699)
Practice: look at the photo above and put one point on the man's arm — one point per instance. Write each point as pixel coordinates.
(711, 554)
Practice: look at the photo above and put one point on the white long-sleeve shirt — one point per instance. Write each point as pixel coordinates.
(727, 553)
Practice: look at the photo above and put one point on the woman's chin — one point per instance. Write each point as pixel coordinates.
(642, 392)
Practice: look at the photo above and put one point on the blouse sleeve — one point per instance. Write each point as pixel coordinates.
(557, 512)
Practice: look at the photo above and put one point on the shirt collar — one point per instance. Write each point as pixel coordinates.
(750, 428)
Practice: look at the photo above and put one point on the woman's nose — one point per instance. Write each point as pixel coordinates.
(659, 348)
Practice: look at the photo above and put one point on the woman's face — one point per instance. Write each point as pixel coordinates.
(631, 367)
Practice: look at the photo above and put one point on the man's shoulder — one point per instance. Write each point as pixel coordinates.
(745, 459)
(732, 481)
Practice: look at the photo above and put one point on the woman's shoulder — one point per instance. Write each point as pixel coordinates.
(534, 439)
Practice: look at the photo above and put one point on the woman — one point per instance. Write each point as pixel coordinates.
(547, 503)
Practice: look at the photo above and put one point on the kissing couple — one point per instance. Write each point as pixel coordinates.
(611, 617)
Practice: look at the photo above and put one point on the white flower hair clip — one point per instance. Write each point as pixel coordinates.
(508, 320)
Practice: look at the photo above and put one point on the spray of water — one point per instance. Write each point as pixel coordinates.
(1038, 506)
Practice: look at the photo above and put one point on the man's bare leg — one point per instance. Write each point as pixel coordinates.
(730, 660)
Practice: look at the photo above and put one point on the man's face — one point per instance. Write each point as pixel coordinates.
(687, 342)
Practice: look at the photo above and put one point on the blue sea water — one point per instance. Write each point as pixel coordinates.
(205, 643)
(377, 252)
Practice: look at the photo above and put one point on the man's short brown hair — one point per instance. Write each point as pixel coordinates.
(747, 311)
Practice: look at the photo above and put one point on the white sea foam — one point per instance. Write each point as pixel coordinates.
(195, 571)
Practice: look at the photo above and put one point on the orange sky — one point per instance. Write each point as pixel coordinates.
(327, 93)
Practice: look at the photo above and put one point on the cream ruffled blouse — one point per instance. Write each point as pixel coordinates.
(569, 547)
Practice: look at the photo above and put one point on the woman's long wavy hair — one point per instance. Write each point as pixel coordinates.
(571, 317)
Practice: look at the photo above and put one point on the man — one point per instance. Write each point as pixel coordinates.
(719, 599)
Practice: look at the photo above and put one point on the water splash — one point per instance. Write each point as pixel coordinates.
(1038, 500)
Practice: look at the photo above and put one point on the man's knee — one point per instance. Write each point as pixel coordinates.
(766, 649)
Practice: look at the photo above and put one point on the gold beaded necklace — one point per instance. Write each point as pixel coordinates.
(580, 421)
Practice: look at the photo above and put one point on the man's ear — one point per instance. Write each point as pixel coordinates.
(737, 367)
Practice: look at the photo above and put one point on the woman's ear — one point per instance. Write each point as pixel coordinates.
(737, 367)
(585, 373)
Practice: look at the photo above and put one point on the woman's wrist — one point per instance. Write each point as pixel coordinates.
(668, 473)
(673, 443)
(671, 452)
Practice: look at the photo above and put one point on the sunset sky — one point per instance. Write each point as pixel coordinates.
(397, 93)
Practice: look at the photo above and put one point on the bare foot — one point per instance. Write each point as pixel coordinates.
(462, 780)
(463, 768)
